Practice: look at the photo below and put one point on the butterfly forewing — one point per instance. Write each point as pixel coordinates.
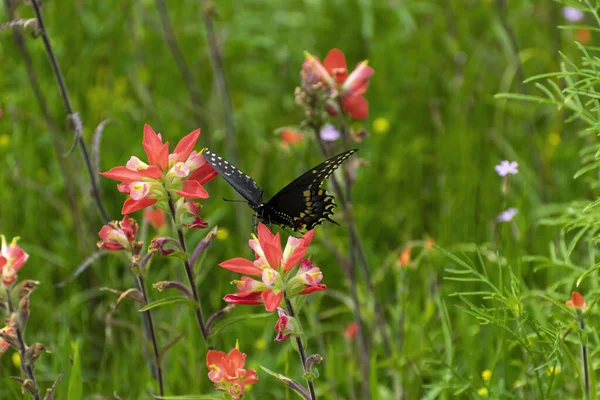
(241, 182)
(303, 200)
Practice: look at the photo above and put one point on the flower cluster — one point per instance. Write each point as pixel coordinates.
(12, 258)
(274, 267)
(228, 373)
(332, 78)
(167, 179)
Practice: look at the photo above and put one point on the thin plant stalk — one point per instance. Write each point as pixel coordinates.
(301, 351)
(182, 66)
(190, 275)
(26, 368)
(349, 271)
(584, 357)
(220, 79)
(149, 324)
(75, 121)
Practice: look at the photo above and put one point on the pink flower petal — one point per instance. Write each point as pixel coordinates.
(242, 266)
(132, 205)
(356, 106)
(192, 190)
(271, 299)
(186, 145)
(123, 174)
(335, 63)
(157, 152)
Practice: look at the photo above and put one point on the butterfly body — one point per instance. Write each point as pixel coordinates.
(302, 204)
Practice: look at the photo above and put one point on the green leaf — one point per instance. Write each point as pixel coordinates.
(75, 381)
(290, 383)
(227, 321)
(170, 301)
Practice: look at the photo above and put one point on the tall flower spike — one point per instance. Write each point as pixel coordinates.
(227, 372)
(333, 74)
(12, 259)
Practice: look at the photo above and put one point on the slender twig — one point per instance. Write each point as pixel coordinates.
(26, 368)
(149, 324)
(43, 104)
(182, 66)
(190, 275)
(74, 118)
(301, 350)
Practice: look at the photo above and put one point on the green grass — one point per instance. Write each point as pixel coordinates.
(438, 66)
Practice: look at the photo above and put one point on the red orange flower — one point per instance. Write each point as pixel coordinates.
(12, 259)
(333, 73)
(290, 138)
(351, 330)
(155, 217)
(273, 265)
(228, 373)
(404, 259)
(576, 302)
(180, 174)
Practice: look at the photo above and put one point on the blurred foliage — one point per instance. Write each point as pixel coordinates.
(438, 65)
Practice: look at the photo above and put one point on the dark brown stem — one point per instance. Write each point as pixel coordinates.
(190, 275)
(76, 123)
(26, 368)
(290, 310)
(43, 104)
(356, 252)
(151, 333)
(584, 358)
(182, 66)
(221, 81)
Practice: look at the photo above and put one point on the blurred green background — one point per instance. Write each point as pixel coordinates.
(438, 65)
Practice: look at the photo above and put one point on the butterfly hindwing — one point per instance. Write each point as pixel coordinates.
(241, 182)
(303, 200)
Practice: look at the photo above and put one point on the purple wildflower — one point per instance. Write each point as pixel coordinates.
(572, 14)
(329, 133)
(507, 215)
(507, 167)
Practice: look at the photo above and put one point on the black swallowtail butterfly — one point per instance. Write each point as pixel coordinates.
(300, 205)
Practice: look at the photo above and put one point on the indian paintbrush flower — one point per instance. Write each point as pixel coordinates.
(166, 177)
(332, 75)
(12, 258)
(228, 373)
(274, 267)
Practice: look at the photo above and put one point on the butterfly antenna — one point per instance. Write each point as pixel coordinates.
(234, 201)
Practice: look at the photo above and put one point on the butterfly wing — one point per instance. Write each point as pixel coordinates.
(303, 202)
(241, 182)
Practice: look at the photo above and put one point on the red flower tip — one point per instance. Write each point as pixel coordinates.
(576, 301)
